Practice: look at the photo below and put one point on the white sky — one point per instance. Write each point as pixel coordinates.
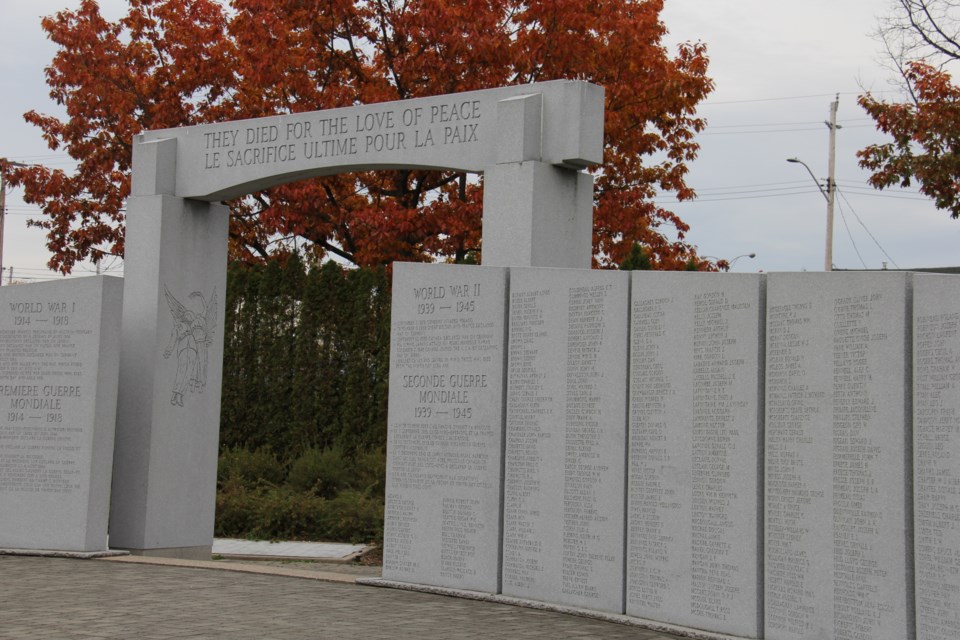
(777, 66)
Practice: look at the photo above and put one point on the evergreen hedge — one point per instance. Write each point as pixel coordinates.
(304, 402)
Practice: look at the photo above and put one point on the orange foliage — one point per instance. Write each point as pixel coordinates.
(180, 62)
(925, 145)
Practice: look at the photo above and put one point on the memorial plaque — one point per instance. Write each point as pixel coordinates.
(58, 389)
(694, 545)
(445, 433)
(837, 544)
(566, 433)
(936, 433)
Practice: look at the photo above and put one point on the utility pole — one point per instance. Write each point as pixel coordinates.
(831, 181)
(3, 209)
(828, 193)
(4, 163)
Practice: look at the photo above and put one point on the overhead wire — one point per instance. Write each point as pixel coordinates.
(803, 97)
(786, 124)
(865, 228)
(843, 217)
(893, 196)
(730, 133)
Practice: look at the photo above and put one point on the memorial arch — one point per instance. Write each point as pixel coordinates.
(532, 143)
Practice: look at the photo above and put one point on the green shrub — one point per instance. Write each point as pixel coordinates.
(236, 515)
(283, 514)
(325, 496)
(250, 468)
(323, 472)
(353, 517)
(370, 472)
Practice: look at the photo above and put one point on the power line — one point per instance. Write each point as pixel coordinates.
(778, 99)
(803, 97)
(794, 189)
(699, 200)
(741, 133)
(720, 194)
(872, 237)
(861, 185)
(892, 196)
(843, 217)
(756, 184)
(783, 124)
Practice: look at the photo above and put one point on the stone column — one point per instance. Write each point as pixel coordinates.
(168, 414)
(534, 213)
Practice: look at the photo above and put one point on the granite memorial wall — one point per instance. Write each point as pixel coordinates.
(59, 354)
(565, 437)
(754, 456)
(445, 438)
(696, 398)
(936, 455)
(838, 535)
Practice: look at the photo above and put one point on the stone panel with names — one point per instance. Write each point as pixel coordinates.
(693, 547)
(936, 449)
(566, 433)
(445, 426)
(58, 393)
(837, 541)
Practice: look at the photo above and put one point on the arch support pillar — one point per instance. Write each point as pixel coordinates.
(538, 214)
(171, 361)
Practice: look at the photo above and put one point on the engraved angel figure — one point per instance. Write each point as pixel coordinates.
(190, 338)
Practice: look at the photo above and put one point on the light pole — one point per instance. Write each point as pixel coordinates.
(4, 163)
(831, 183)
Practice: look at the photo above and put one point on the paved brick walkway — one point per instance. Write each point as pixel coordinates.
(65, 599)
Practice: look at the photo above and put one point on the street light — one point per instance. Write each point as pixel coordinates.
(745, 255)
(828, 196)
(732, 260)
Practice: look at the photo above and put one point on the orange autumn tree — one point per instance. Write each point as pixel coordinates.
(920, 43)
(925, 148)
(171, 63)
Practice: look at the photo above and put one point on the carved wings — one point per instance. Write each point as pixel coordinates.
(177, 309)
(181, 314)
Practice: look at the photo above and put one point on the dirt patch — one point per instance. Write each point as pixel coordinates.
(372, 557)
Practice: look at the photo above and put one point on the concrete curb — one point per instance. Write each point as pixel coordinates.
(323, 576)
(54, 553)
(652, 625)
(258, 558)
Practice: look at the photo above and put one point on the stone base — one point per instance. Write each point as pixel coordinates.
(203, 552)
(643, 623)
(58, 553)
